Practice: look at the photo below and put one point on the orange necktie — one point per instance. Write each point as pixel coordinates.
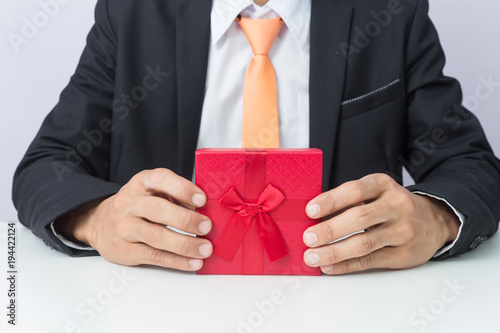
(260, 102)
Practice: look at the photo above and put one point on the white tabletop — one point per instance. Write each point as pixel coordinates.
(55, 294)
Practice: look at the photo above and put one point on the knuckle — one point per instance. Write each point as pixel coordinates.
(140, 176)
(330, 197)
(362, 214)
(329, 230)
(409, 203)
(351, 265)
(364, 244)
(408, 230)
(332, 254)
(184, 245)
(156, 177)
(359, 264)
(358, 188)
(122, 204)
(155, 255)
(151, 235)
(120, 201)
(383, 180)
(185, 220)
(405, 202)
(364, 263)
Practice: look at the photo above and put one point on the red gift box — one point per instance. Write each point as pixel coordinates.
(256, 199)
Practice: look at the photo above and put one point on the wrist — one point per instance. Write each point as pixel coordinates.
(449, 219)
(77, 225)
(453, 226)
(445, 217)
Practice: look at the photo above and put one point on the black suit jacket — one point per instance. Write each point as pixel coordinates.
(378, 101)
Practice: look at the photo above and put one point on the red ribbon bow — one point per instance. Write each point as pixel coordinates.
(238, 226)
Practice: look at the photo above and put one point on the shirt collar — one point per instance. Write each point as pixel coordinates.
(295, 13)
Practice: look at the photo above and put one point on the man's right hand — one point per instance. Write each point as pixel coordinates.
(128, 228)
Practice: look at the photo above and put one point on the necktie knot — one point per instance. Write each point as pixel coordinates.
(261, 33)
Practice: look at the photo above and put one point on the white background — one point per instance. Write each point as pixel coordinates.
(32, 79)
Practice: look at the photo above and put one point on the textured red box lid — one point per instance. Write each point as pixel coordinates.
(296, 173)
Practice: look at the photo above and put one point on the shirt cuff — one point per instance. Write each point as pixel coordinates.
(69, 243)
(460, 216)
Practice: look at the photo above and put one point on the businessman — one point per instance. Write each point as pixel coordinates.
(362, 80)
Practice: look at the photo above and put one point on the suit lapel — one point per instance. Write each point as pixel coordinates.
(192, 46)
(330, 26)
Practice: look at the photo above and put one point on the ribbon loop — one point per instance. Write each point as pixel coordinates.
(237, 228)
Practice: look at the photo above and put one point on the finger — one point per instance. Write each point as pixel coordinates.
(145, 254)
(159, 237)
(169, 198)
(178, 188)
(164, 212)
(348, 194)
(351, 221)
(188, 207)
(374, 260)
(384, 258)
(356, 246)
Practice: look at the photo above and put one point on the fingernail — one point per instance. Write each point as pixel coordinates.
(327, 269)
(195, 263)
(312, 259)
(205, 250)
(198, 200)
(205, 227)
(313, 210)
(310, 238)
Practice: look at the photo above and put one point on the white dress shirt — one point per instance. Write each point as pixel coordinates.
(229, 56)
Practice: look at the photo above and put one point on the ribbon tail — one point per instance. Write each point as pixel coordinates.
(271, 237)
(232, 237)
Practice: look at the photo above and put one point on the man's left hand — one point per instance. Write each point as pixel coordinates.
(401, 229)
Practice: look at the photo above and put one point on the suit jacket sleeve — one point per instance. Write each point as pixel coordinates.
(447, 153)
(66, 165)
